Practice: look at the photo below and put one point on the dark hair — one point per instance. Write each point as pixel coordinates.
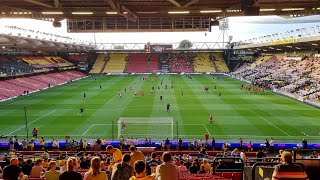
(166, 156)
(126, 158)
(132, 148)
(29, 161)
(139, 166)
(153, 155)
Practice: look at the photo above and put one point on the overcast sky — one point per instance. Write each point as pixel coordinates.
(241, 28)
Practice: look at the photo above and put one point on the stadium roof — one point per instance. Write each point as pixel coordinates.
(150, 15)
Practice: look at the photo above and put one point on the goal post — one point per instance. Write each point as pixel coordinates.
(157, 128)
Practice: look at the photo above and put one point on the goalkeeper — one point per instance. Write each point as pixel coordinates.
(123, 125)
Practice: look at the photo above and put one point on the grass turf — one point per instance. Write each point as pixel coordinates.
(236, 113)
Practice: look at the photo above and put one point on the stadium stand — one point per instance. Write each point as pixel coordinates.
(181, 62)
(116, 63)
(19, 86)
(11, 66)
(202, 63)
(137, 63)
(99, 64)
(45, 61)
(77, 57)
(154, 63)
(221, 65)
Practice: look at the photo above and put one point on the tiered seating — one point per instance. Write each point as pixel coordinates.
(188, 176)
(181, 63)
(220, 62)
(13, 67)
(116, 63)
(98, 65)
(49, 61)
(154, 62)
(75, 57)
(137, 63)
(15, 87)
(202, 63)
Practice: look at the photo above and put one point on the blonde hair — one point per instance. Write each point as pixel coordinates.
(71, 163)
(95, 166)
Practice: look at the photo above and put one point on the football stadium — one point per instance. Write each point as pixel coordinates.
(159, 89)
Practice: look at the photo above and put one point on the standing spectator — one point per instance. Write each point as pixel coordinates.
(260, 155)
(11, 143)
(71, 173)
(16, 145)
(271, 150)
(26, 169)
(24, 145)
(206, 136)
(122, 170)
(151, 165)
(13, 171)
(195, 144)
(37, 169)
(35, 133)
(243, 156)
(117, 154)
(167, 143)
(240, 144)
(31, 144)
(167, 171)
(304, 143)
(52, 174)
(162, 145)
(139, 167)
(55, 144)
(121, 143)
(95, 172)
(267, 145)
(41, 141)
(180, 144)
(189, 145)
(213, 143)
(249, 146)
(136, 155)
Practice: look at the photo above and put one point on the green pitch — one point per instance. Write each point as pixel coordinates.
(235, 114)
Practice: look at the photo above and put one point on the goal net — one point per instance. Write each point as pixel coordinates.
(141, 128)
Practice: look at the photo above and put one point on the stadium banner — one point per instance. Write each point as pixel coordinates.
(166, 48)
(284, 41)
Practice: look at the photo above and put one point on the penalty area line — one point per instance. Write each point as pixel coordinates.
(87, 129)
(207, 129)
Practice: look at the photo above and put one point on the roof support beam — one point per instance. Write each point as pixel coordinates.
(38, 3)
(174, 2)
(190, 3)
(117, 6)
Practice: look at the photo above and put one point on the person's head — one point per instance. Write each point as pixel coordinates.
(132, 148)
(286, 157)
(38, 162)
(280, 151)
(166, 156)
(95, 166)
(52, 165)
(109, 149)
(139, 167)
(29, 161)
(153, 155)
(102, 165)
(194, 163)
(14, 161)
(205, 161)
(71, 163)
(126, 158)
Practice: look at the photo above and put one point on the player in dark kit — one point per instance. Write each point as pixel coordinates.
(160, 98)
(84, 95)
(81, 111)
(168, 107)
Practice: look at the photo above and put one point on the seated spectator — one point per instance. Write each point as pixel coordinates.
(63, 168)
(95, 172)
(72, 163)
(52, 174)
(13, 171)
(221, 165)
(122, 170)
(136, 156)
(206, 165)
(117, 154)
(45, 163)
(202, 170)
(288, 170)
(182, 167)
(166, 170)
(139, 167)
(194, 168)
(37, 169)
(26, 169)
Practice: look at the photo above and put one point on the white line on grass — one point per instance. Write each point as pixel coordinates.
(87, 129)
(206, 129)
(103, 124)
(31, 122)
(269, 122)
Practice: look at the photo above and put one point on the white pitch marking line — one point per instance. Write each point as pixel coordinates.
(87, 129)
(31, 122)
(269, 122)
(206, 129)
